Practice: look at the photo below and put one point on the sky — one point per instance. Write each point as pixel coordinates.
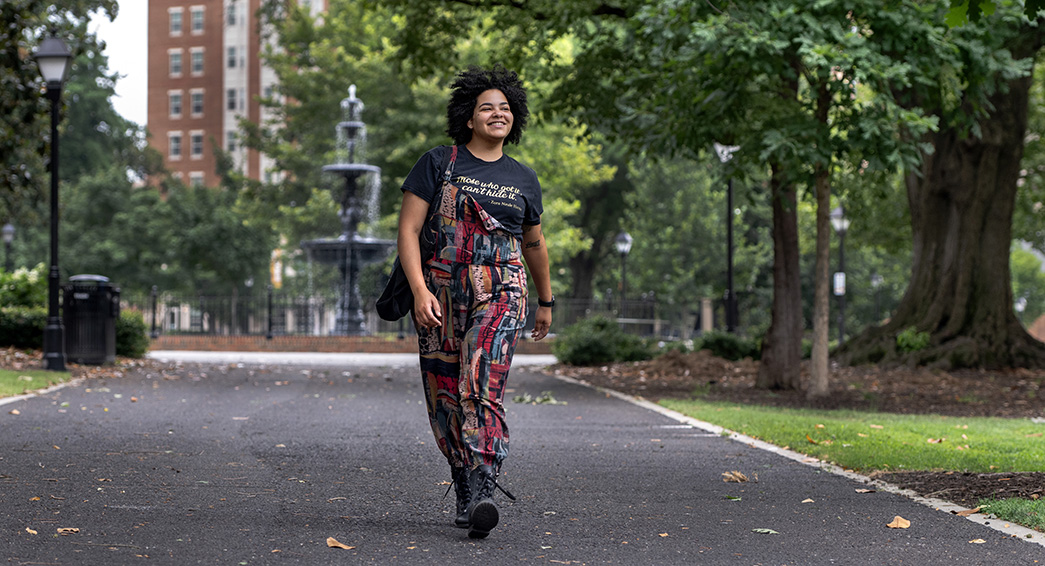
(127, 47)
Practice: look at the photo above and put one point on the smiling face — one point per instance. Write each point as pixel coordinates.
(492, 118)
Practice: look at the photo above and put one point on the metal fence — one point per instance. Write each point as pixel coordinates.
(275, 313)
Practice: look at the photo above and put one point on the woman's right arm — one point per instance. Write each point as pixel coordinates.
(412, 215)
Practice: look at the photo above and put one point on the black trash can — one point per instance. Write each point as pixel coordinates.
(90, 308)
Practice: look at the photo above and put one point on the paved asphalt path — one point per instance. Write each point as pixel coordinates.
(245, 464)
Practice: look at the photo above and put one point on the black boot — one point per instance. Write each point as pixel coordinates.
(483, 513)
(463, 489)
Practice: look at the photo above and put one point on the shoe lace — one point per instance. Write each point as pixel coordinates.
(463, 489)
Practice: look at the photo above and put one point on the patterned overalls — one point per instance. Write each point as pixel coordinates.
(477, 275)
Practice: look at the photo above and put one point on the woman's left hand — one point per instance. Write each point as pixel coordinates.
(542, 323)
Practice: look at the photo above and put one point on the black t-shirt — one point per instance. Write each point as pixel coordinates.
(506, 189)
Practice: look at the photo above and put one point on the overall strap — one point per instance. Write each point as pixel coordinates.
(449, 158)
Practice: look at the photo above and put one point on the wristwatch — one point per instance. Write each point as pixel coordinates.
(548, 304)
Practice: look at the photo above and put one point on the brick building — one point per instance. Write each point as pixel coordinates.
(204, 75)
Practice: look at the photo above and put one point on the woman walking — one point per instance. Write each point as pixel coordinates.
(482, 211)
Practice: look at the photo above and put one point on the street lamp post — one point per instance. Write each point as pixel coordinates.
(623, 244)
(725, 154)
(841, 225)
(9, 236)
(53, 58)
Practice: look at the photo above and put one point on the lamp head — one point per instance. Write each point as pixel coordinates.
(623, 243)
(8, 232)
(53, 58)
(839, 221)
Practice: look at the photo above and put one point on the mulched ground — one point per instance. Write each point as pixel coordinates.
(1016, 393)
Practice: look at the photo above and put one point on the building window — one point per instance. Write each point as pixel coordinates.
(231, 14)
(197, 20)
(175, 21)
(230, 99)
(230, 142)
(196, 101)
(232, 57)
(174, 59)
(196, 178)
(196, 145)
(197, 60)
(242, 99)
(174, 151)
(174, 98)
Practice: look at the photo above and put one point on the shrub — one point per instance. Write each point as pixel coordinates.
(24, 288)
(22, 327)
(910, 340)
(131, 338)
(598, 340)
(680, 346)
(730, 346)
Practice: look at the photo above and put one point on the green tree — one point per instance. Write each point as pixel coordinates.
(962, 199)
(111, 228)
(24, 122)
(213, 249)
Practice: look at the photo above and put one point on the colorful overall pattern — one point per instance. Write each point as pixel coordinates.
(477, 274)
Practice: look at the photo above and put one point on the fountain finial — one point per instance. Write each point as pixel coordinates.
(352, 106)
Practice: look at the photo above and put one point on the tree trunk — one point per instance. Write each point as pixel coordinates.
(582, 269)
(782, 345)
(819, 370)
(961, 202)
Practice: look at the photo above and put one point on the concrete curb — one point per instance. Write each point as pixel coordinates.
(1016, 531)
(37, 393)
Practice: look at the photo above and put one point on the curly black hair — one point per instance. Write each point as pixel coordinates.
(466, 89)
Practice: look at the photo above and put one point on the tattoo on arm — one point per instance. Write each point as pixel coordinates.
(533, 244)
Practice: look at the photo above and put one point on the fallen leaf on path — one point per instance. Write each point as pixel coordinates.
(333, 543)
(67, 530)
(37, 498)
(968, 512)
(865, 491)
(15, 412)
(765, 531)
(663, 534)
(899, 523)
(30, 531)
(808, 501)
(811, 441)
(978, 541)
(734, 476)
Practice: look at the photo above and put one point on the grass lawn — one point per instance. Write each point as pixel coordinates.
(867, 441)
(19, 382)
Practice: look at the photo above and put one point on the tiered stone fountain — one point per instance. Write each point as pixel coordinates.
(350, 251)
